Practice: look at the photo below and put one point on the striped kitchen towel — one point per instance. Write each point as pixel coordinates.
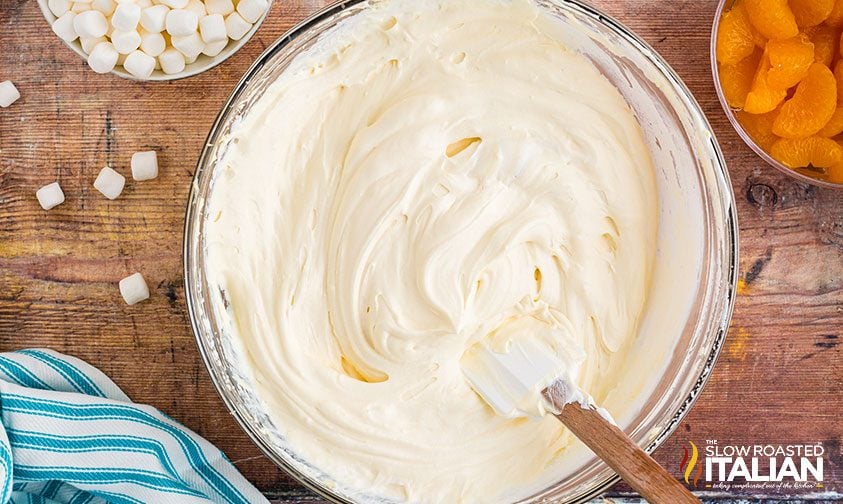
(70, 435)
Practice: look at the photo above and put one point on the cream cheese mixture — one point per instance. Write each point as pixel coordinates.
(415, 180)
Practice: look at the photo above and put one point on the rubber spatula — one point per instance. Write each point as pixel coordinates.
(529, 379)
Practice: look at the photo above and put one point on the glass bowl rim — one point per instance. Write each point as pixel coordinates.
(733, 120)
(720, 321)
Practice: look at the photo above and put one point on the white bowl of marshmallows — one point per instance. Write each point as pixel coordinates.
(154, 40)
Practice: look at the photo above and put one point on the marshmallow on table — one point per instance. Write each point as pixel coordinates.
(58, 7)
(224, 7)
(152, 44)
(110, 183)
(88, 44)
(90, 24)
(172, 61)
(214, 48)
(181, 22)
(144, 165)
(63, 27)
(251, 10)
(103, 58)
(125, 42)
(139, 64)
(154, 19)
(105, 6)
(133, 289)
(212, 28)
(189, 45)
(9, 94)
(236, 26)
(126, 16)
(50, 196)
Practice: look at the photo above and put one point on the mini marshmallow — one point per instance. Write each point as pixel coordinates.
(133, 288)
(109, 182)
(58, 7)
(139, 64)
(153, 19)
(224, 7)
(144, 165)
(63, 27)
(143, 4)
(50, 196)
(214, 48)
(196, 7)
(90, 24)
(79, 7)
(236, 26)
(103, 58)
(125, 42)
(181, 22)
(126, 17)
(88, 44)
(174, 4)
(105, 6)
(152, 44)
(251, 10)
(9, 94)
(189, 45)
(172, 61)
(212, 28)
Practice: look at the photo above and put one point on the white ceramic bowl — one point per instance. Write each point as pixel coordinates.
(201, 64)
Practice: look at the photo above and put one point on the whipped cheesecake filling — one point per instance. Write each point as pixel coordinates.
(425, 173)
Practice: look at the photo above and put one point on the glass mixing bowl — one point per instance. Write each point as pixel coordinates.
(697, 242)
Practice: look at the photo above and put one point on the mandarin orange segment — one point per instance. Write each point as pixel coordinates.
(834, 126)
(835, 173)
(789, 61)
(735, 40)
(811, 107)
(814, 151)
(838, 76)
(773, 18)
(763, 98)
(835, 18)
(811, 12)
(736, 80)
(759, 127)
(825, 40)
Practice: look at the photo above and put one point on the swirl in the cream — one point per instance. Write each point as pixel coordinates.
(407, 186)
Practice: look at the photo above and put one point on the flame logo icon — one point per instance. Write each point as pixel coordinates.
(689, 462)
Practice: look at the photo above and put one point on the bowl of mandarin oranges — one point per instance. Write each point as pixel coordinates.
(778, 71)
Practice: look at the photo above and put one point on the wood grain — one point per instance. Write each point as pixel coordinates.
(638, 469)
(778, 380)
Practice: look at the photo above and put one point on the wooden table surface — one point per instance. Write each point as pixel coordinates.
(777, 381)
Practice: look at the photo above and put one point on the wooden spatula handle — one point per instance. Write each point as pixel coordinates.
(638, 469)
